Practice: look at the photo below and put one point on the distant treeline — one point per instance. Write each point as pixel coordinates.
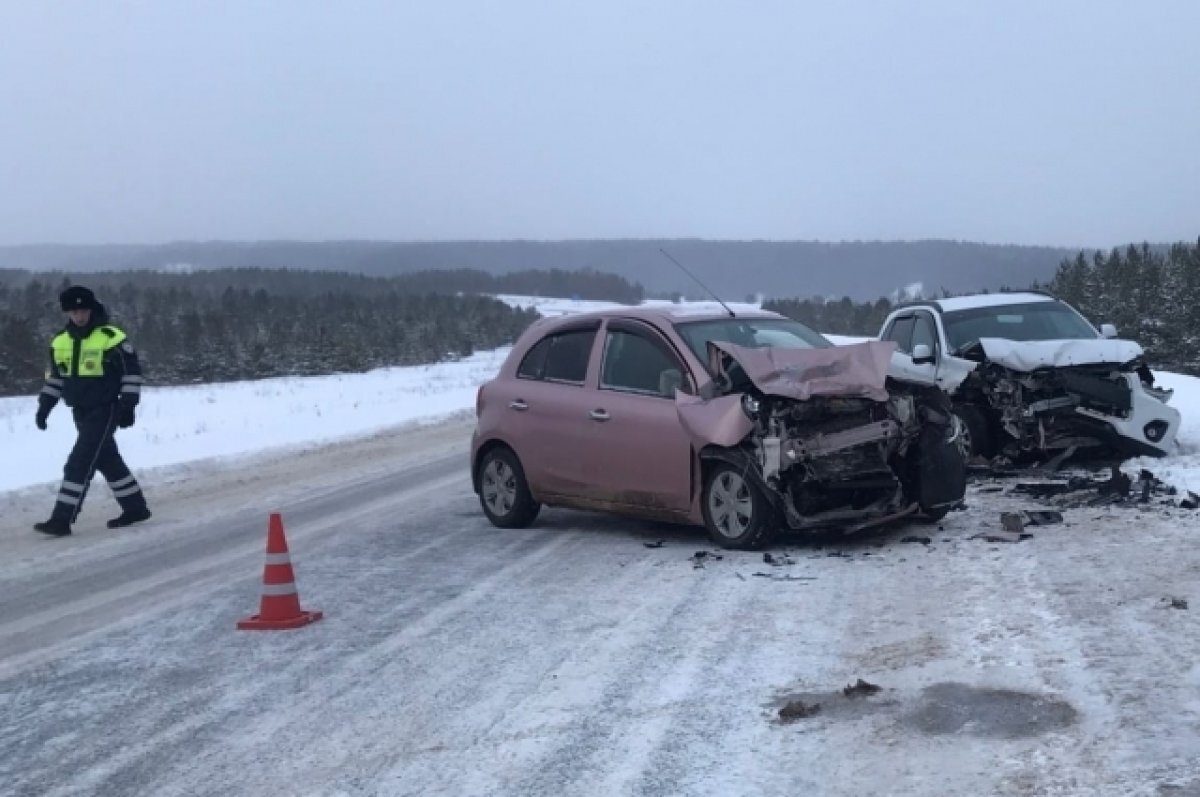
(222, 325)
(1152, 296)
(227, 324)
(840, 317)
(858, 269)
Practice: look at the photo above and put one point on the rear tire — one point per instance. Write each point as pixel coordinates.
(736, 512)
(503, 492)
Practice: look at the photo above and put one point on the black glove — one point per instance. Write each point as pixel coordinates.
(125, 415)
(42, 414)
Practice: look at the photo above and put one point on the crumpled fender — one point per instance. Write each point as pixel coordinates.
(719, 421)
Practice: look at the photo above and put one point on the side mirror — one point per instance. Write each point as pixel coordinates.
(922, 354)
(1108, 331)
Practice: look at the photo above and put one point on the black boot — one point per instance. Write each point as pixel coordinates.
(128, 517)
(56, 527)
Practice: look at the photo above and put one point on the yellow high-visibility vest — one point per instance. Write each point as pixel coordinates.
(91, 351)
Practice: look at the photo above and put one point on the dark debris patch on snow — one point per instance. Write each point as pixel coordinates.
(861, 689)
(954, 708)
(849, 703)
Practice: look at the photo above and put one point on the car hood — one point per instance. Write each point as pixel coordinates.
(859, 370)
(1032, 355)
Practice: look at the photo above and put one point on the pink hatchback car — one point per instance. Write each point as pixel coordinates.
(745, 424)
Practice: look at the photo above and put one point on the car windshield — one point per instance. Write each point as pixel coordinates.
(752, 333)
(1032, 321)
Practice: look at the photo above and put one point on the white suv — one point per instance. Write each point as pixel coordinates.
(1031, 378)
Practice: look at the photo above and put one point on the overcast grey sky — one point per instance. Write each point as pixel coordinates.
(1071, 122)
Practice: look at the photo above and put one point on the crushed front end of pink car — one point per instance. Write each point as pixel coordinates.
(827, 436)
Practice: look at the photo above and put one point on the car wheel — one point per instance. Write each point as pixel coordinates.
(503, 492)
(975, 435)
(736, 513)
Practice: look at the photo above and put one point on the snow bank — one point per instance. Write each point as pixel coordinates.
(1183, 469)
(176, 425)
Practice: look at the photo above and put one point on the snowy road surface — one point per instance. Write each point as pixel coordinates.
(573, 659)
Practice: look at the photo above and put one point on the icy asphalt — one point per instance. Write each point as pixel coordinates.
(588, 655)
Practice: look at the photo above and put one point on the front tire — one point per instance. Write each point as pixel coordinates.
(976, 438)
(736, 512)
(503, 492)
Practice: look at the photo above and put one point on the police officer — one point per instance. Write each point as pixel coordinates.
(95, 371)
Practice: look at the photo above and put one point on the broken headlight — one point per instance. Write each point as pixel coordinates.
(750, 406)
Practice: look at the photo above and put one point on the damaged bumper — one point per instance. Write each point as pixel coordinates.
(827, 436)
(1148, 427)
(1060, 396)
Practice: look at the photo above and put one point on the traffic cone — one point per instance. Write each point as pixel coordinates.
(280, 607)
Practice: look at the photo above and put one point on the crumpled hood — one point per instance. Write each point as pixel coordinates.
(854, 371)
(859, 370)
(1034, 354)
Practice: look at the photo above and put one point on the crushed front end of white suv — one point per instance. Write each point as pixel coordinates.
(1032, 379)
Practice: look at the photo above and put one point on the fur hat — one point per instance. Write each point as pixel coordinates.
(78, 297)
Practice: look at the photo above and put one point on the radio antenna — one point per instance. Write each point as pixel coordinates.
(698, 282)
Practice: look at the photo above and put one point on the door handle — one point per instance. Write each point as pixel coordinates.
(518, 404)
(599, 415)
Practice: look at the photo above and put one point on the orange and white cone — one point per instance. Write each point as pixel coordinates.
(280, 606)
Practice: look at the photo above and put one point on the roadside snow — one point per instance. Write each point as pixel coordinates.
(1182, 470)
(177, 425)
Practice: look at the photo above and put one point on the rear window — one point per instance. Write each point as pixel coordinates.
(561, 357)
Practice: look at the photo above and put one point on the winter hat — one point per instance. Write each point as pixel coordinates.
(78, 297)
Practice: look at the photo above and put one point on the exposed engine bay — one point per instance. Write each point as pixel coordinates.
(832, 439)
(1034, 407)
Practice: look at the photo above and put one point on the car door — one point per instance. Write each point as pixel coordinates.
(924, 333)
(547, 410)
(638, 452)
(899, 331)
(908, 331)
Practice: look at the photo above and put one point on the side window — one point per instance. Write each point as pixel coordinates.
(901, 332)
(638, 364)
(562, 357)
(924, 332)
(535, 360)
(567, 360)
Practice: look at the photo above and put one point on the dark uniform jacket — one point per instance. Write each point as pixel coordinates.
(92, 366)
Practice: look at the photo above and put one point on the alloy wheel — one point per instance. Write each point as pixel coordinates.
(730, 505)
(499, 487)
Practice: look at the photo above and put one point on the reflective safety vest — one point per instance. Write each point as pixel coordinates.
(85, 357)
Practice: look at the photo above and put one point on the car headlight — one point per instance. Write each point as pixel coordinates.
(750, 406)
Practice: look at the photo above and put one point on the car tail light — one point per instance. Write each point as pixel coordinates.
(479, 401)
